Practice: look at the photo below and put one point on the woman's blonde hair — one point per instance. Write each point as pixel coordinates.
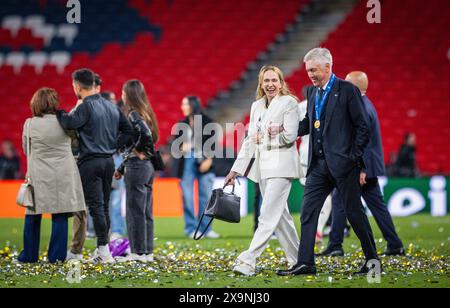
(284, 87)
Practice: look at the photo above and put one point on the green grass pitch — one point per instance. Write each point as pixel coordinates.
(182, 262)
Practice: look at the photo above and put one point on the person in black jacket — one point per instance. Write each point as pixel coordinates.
(195, 163)
(338, 125)
(371, 192)
(103, 129)
(139, 172)
(406, 165)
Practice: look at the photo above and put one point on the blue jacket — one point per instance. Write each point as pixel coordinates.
(373, 155)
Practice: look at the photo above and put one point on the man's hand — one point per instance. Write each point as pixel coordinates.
(205, 166)
(117, 175)
(231, 178)
(362, 178)
(186, 148)
(274, 129)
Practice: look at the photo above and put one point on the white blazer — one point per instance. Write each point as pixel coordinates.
(277, 157)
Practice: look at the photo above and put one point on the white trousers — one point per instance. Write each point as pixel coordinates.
(274, 217)
(324, 214)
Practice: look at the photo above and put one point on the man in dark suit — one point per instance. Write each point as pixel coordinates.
(337, 123)
(371, 193)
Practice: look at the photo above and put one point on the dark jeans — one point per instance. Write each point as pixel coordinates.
(371, 193)
(139, 176)
(57, 250)
(319, 184)
(96, 176)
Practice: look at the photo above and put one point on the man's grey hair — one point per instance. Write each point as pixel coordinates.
(321, 55)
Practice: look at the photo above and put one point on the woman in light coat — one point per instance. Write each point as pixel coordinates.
(54, 176)
(275, 166)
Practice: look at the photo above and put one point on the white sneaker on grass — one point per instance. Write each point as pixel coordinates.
(212, 235)
(243, 269)
(102, 255)
(133, 257)
(150, 258)
(73, 256)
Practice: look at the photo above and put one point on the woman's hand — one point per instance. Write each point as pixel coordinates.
(231, 178)
(274, 129)
(205, 166)
(140, 155)
(117, 175)
(258, 138)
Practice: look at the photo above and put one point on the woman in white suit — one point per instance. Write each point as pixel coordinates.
(273, 163)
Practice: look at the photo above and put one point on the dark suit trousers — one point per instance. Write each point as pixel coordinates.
(371, 193)
(319, 184)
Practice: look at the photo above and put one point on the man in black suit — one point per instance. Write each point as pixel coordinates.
(337, 123)
(371, 193)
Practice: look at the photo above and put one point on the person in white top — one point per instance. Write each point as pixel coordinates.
(273, 163)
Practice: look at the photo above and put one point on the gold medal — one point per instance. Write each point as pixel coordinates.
(317, 124)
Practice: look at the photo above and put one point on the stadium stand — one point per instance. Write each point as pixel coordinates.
(202, 53)
(401, 86)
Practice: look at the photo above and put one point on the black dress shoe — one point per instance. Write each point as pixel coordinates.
(300, 269)
(331, 253)
(365, 269)
(394, 252)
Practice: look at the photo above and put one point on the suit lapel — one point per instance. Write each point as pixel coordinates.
(332, 102)
(269, 111)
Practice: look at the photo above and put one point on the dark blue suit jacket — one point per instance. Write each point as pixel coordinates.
(345, 132)
(373, 155)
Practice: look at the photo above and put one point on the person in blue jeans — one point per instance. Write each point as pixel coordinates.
(118, 225)
(196, 164)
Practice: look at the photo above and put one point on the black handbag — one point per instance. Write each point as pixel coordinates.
(223, 206)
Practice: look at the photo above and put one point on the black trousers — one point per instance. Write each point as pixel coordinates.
(373, 197)
(319, 184)
(96, 177)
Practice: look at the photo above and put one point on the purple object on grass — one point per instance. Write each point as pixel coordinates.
(119, 246)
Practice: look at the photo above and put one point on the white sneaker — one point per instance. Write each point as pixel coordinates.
(243, 269)
(115, 236)
(73, 256)
(212, 235)
(100, 256)
(132, 257)
(150, 258)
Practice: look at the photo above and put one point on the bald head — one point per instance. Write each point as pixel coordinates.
(359, 79)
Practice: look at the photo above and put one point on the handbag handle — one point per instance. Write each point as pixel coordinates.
(234, 185)
(196, 238)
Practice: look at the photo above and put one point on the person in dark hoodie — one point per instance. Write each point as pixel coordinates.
(102, 128)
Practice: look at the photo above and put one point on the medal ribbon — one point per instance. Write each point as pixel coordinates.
(319, 105)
